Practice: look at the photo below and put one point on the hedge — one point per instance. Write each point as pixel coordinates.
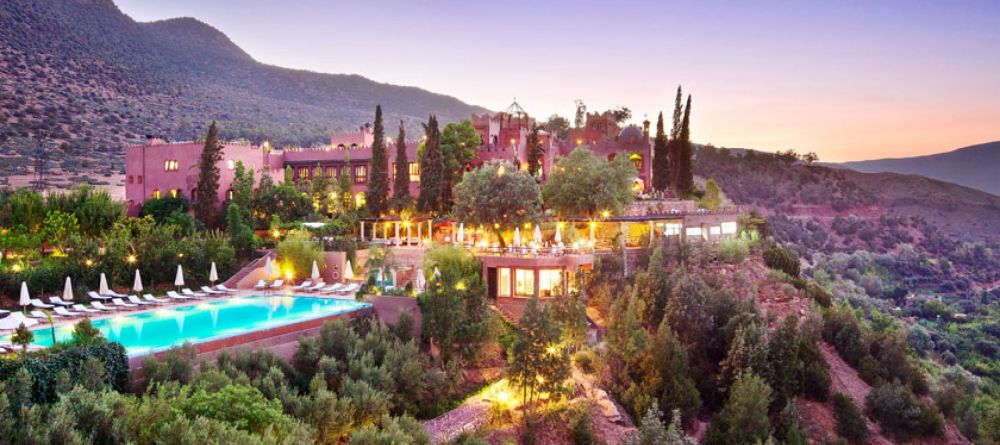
(45, 366)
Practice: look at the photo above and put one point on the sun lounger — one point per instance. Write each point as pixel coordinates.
(135, 300)
(84, 309)
(116, 294)
(211, 291)
(41, 315)
(59, 302)
(190, 293)
(261, 285)
(150, 298)
(97, 296)
(3, 312)
(303, 285)
(39, 304)
(223, 288)
(349, 289)
(101, 306)
(315, 288)
(65, 313)
(119, 302)
(173, 295)
(331, 288)
(277, 284)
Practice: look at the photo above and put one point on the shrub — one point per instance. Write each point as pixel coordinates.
(816, 381)
(900, 414)
(44, 368)
(586, 361)
(176, 365)
(580, 428)
(733, 250)
(850, 424)
(780, 259)
(238, 405)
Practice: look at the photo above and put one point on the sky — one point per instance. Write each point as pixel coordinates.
(847, 80)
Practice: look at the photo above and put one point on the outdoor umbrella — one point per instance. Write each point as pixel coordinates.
(268, 268)
(213, 274)
(315, 272)
(517, 236)
(348, 272)
(461, 233)
(68, 290)
(421, 281)
(538, 235)
(103, 289)
(25, 298)
(558, 235)
(379, 278)
(179, 280)
(137, 285)
(437, 273)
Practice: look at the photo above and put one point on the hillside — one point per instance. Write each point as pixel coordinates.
(86, 78)
(974, 166)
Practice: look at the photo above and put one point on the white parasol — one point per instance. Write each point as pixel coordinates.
(421, 281)
(268, 268)
(179, 280)
(517, 236)
(103, 288)
(348, 272)
(25, 298)
(538, 235)
(68, 290)
(315, 272)
(461, 233)
(213, 274)
(558, 239)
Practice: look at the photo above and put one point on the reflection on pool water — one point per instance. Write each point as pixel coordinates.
(164, 328)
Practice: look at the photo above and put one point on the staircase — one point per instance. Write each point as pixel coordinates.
(250, 267)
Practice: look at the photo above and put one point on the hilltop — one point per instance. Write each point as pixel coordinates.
(974, 166)
(87, 77)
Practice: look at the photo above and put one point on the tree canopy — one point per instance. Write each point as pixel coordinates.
(498, 195)
(583, 185)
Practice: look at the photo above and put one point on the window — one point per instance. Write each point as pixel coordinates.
(230, 164)
(359, 200)
(728, 228)
(414, 172)
(171, 165)
(503, 283)
(715, 230)
(130, 179)
(524, 282)
(229, 194)
(549, 281)
(156, 193)
(304, 173)
(138, 179)
(672, 229)
(693, 231)
(174, 193)
(360, 174)
(331, 172)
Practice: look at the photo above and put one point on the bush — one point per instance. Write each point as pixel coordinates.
(586, 361)
(900, 414)
(580, 428)
(45, 367)
(733, 251)
(176, 365)
(780, 259)
(850, 424)
(816, 381)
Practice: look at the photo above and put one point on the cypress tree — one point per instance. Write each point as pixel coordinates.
(378, 187)
(535, 152)
(401, 182)
(430, 169)
(685, 169)
(661, 158)
(206, 192)
(673, 145)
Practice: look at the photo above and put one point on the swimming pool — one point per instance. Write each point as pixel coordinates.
(167, 327)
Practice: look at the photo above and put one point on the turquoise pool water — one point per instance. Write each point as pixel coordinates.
(167, 327)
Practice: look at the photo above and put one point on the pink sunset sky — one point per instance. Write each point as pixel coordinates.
(847, 80)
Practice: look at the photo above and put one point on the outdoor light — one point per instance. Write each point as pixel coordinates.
(276, 233)
(551, 349)
(131, 258)
(16, 267)
(89, 262)
(605, 214)
(180, 255)
(511, 141)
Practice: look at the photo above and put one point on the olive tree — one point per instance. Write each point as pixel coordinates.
(498, 195)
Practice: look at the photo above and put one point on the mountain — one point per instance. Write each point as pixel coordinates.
(975, 166)
(86, 78)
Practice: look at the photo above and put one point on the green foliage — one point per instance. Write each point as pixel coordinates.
(652, 431)
(401, 181)
(175, 365)
(785, 357)
(431, 169)
(683, 173)
(377, 196)
(537, 362)
(454, 311)
(498, 195)
(712, 198)
(243, 407)
(744, 418)
(206, 192)
(989, 428)
(402, 430)
(298, 252)
(666, 374)
(583, 185)
(459, 141)
(43, 368)
(536, 152)
(162, 208)
(661, 158)
(778, 258)
(243, 185)
(850, 424)
(900, 414)
(240, 232)
(85, 333)
(22, 337)
(60, 229)
(734, 250)
(579, 427)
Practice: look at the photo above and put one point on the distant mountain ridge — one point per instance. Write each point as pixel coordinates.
(976, 166)
(83, 74)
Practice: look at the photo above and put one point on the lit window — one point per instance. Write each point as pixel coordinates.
(524, 282)
(359, 200)
(171, 165)
(549, 281)
(360, 174)
(331, 171)
(414, 172)
(156, 193)
(504, 282)
(672, 229)
(715, 230)
(231, 164)
(693, 231)
(304, 173)
(229, 194)
(173, 193)
(729, 228)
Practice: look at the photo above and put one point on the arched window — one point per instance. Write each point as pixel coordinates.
(359, 200)
(156, 193)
